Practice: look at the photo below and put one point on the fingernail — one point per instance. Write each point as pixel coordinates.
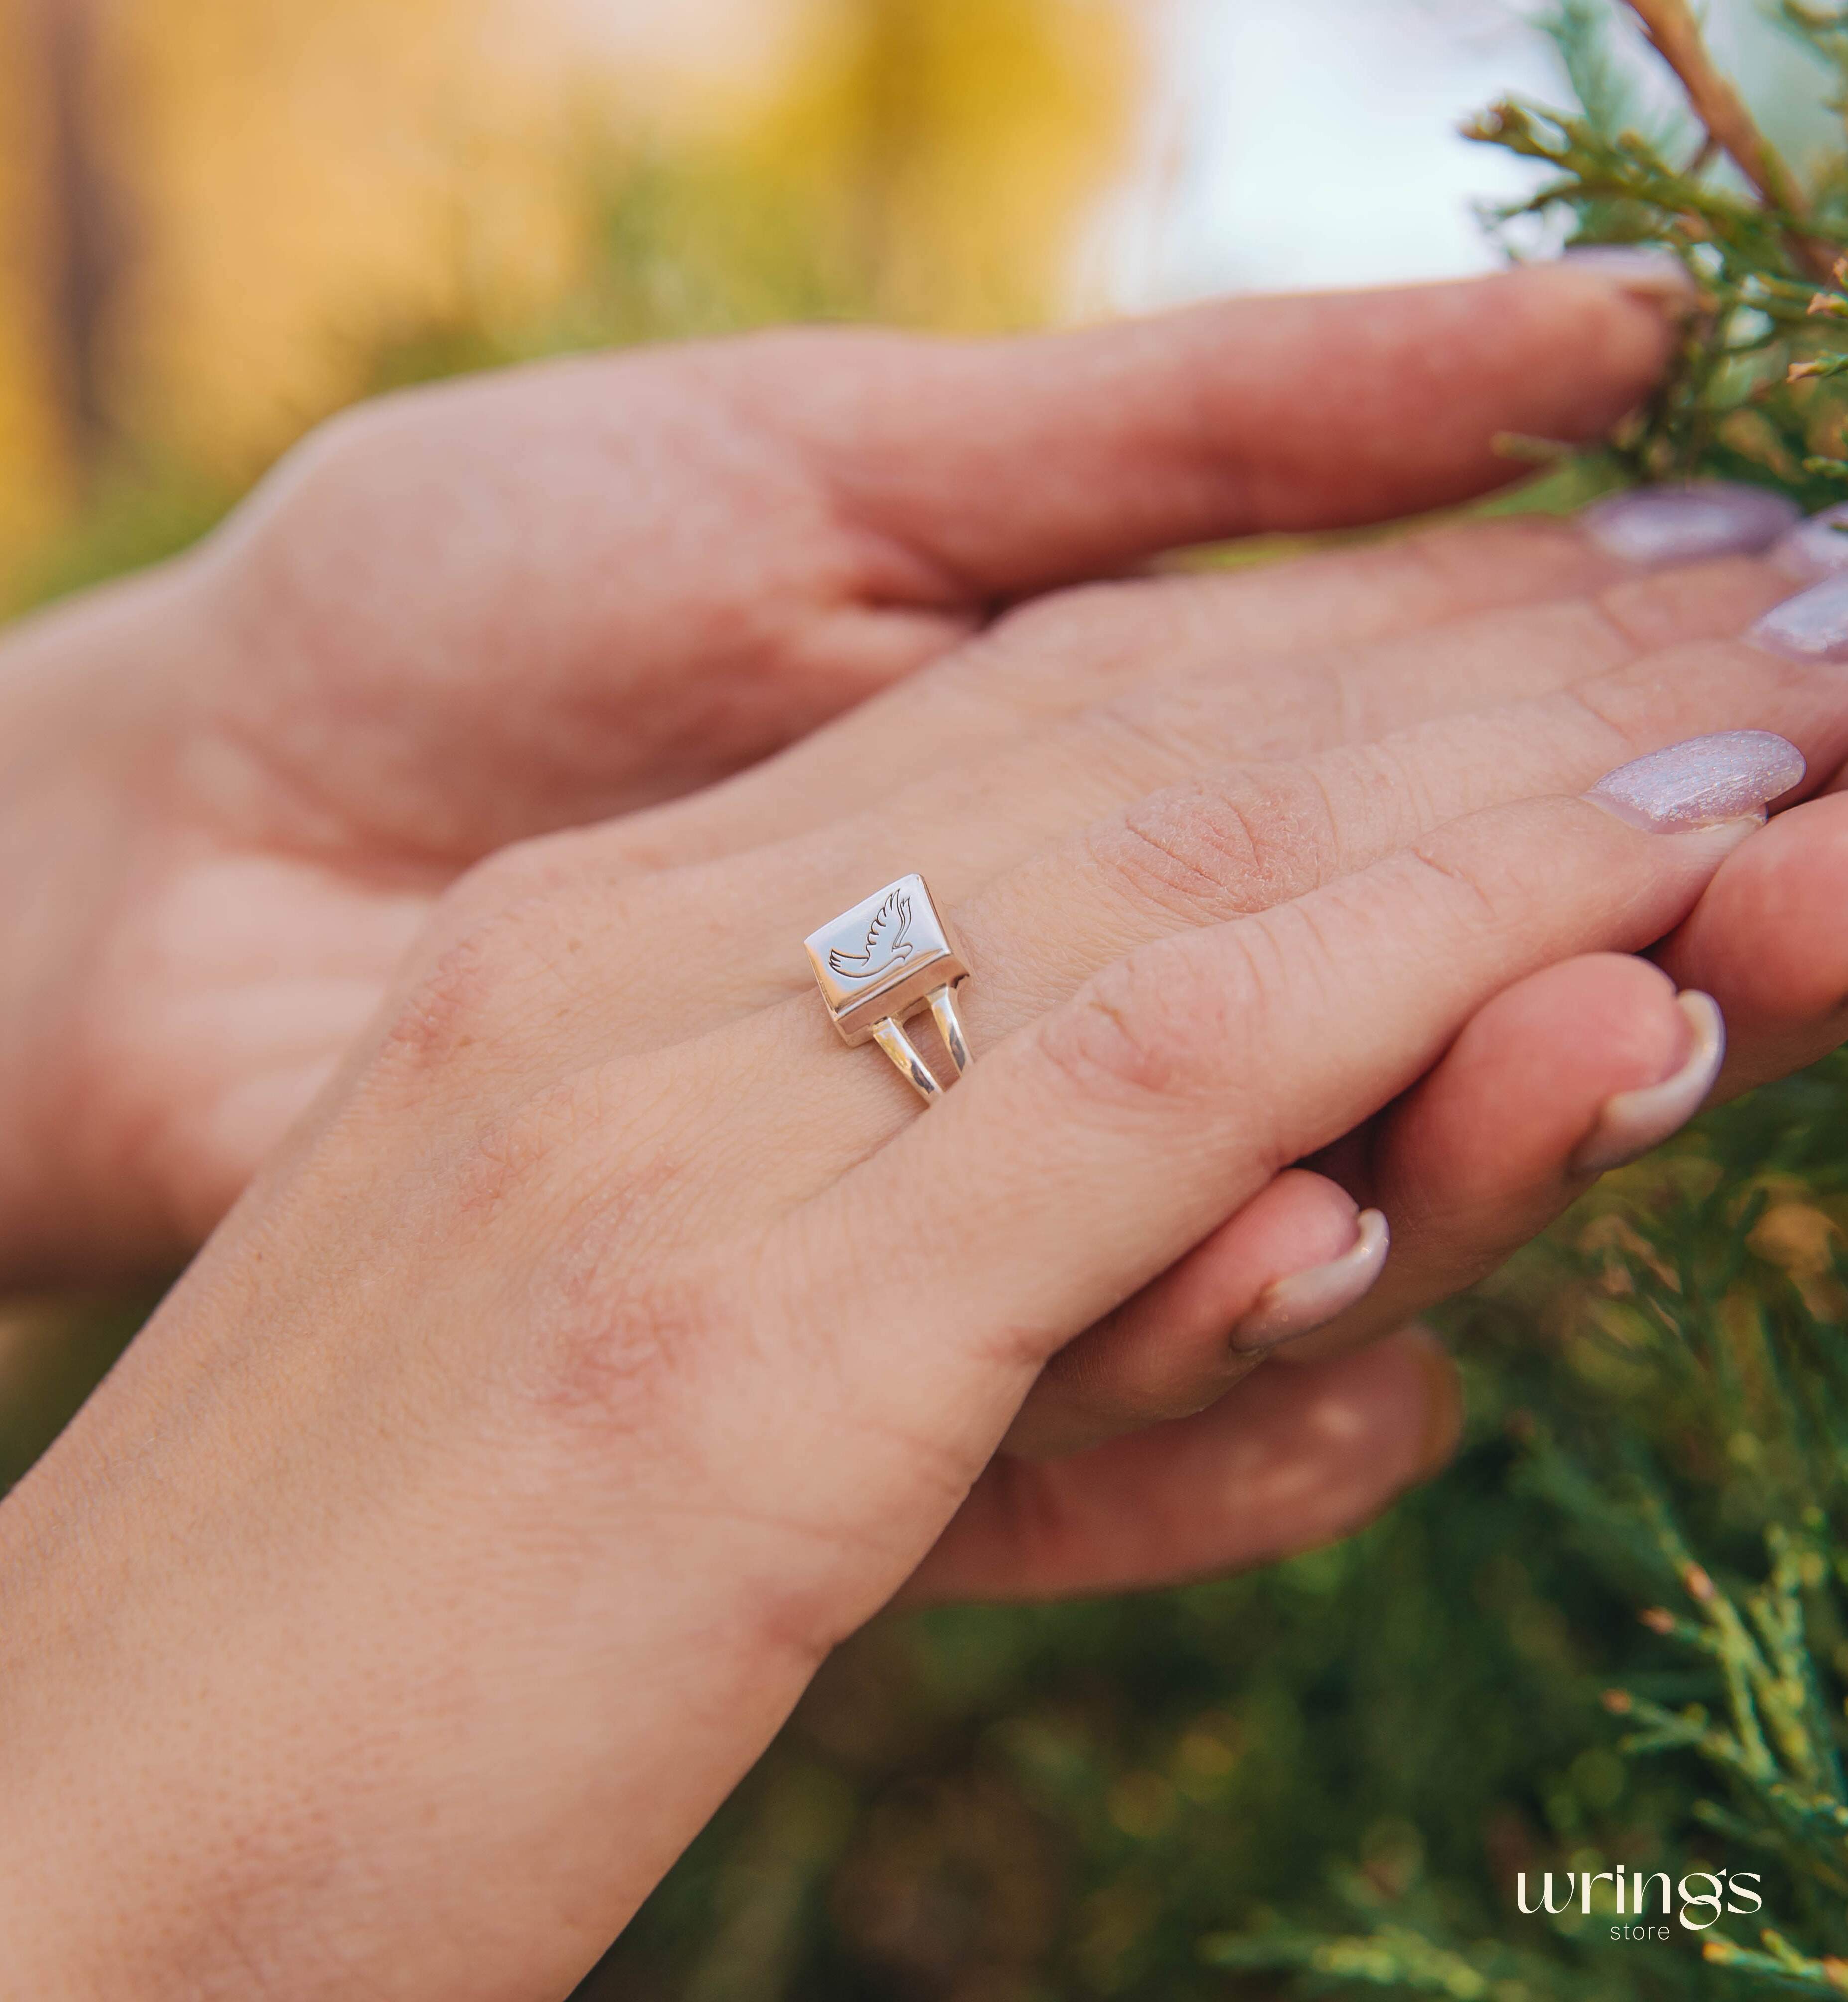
(1629, 1123)
(1653, 525)
(1733, 775)
(1646, 271)
(1813, 626)
(1818, 547)
(1291, 1306)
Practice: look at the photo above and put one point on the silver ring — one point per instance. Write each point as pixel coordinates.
(889, 958)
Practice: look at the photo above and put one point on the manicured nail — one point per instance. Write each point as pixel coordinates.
(1687, 523)
(1291, 1306)
(1646, 270)
(1629, 1123)
(1818, 547)
(1813, 626)
(1733, 775)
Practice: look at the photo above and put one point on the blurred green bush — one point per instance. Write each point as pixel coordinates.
(1339, 1766)
(1332, 1772)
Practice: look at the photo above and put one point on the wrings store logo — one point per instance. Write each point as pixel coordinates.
(1686, 1903)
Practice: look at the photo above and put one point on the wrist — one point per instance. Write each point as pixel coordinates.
(92, 703)
(235, 1697)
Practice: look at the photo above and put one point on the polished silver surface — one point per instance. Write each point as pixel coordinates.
(949, 1027)
(905, 1059)
(891, 956)
(884, 957)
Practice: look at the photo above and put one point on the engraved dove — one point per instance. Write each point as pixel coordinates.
(887, 944)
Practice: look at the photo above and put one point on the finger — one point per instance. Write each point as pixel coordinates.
(708, 550)
(1768, 942)
(1301, 1245)
(1055, 656)
(1251, 839)
(1300, 1457)
(1572, 1072)
(1074, 650)
(1075, 453)
(1288, 826)
(1568, 1072)
(1092, 1151)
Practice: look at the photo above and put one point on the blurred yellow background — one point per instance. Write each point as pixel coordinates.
(220, 219)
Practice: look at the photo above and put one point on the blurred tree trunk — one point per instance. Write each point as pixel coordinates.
(86, 238)
(896, 129)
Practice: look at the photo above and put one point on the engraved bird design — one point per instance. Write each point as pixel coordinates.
(887, 944)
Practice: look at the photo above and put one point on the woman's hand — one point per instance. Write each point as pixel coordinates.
(467, 616)
(1560, 1078)
(592, 1361)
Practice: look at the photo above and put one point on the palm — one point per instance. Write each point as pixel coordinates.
(456, 655)
(492, 609)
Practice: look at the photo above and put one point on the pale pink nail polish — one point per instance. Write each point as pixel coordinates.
(1733, 775)
(1294, 1305)
(1653, 525)
(1816, 548)
(1647, 271)
(1813, 626)
(1629, 1123)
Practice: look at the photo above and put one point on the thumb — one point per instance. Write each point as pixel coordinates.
(1020, 464)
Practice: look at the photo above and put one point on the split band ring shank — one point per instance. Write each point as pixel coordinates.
(889, 958)
(899, 1047)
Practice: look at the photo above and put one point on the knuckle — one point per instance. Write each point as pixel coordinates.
(332, 447)
(519, 875)
(1155, 1026)
(464, 996)
(1113, 622)
(308, 536)
(1485, 889)
(1220, 848)
(333, 462)
(499, 1160)
(1616, 623)
(611, 1354)
(1454, 558)
(508, 948)
(456, 1002)
(761, 367)
(1605, 710)
(617, 1318)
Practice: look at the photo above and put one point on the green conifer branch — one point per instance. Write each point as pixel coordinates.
(1779, 1965)
(1754, 392)
(1675, 35)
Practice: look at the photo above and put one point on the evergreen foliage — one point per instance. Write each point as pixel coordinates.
(1615, 1635)
(1757, 392)
(1614, 1640)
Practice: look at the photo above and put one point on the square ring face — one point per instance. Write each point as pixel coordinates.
(884, 957)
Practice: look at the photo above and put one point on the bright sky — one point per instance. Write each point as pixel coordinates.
(1286, 143)
(1303, 143)
(1298, 143)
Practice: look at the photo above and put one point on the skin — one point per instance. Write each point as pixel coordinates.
(1231, 840)
(525, 1437)
(532, 1430)
(470, 615)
